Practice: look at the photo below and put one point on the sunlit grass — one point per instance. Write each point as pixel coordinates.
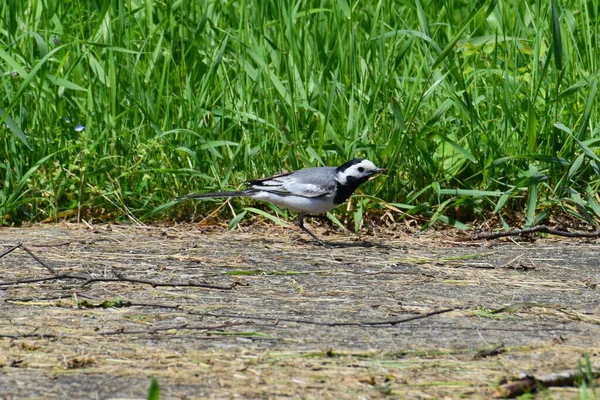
(479, 106)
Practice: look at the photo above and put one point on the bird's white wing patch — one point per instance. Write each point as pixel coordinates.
(305, 189)
(290, 186)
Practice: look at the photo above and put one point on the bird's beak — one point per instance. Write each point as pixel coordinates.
(377, 172)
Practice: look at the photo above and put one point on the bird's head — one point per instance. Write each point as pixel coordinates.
(357, 171)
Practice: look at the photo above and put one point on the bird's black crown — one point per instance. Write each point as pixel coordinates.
(348, 164)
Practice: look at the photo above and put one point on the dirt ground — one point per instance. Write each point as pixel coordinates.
(288, 319)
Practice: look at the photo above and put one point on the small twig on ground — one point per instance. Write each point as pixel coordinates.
(175, 307)
(53, 244)
(31, 299)
(10, 250)
(89, 280)
(319, 323)
(35, 280)
(490, 352)
(534, 229)
(156, 283)
(514, 389)
(168, 328)
(531, 383)
(20, 245)
(27, 335)
(38, 260)
(400, 321)
(118, 303)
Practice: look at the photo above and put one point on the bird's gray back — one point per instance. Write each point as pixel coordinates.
(310, 182)
(321, 176)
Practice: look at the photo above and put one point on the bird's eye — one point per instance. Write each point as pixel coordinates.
(361, 169)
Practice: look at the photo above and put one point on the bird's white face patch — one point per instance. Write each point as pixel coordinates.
(363, 169)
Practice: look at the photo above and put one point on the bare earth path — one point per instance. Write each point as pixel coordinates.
(291, 320)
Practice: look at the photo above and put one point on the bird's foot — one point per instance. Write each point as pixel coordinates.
(313, 241)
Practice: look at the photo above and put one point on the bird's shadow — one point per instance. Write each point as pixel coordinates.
(343, 245)
(340, 245)
(365, 245)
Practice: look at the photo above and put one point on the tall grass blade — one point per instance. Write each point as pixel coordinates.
(589, 152)
(423, 20)
(588, 109)
(532, 201)
(182, 97)
(154, 390)
(236, 220)
(450, 46)
(268, 216)
(556, 38)
(14, 127)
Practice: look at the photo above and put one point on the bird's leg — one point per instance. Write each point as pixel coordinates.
(330, 222)
(305, 229)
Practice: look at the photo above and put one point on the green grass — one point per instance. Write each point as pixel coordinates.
(476, 107)
(153, 390)
(587, 379)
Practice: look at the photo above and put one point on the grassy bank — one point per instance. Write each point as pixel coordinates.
(111, 109)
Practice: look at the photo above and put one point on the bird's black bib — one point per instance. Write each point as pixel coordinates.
(345, 191)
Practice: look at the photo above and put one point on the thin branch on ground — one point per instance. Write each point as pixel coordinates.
(532, 383)
(89, 280)
(55, 244)
(36, 280)
(168, 328)
(86, 304)
(535, 229)
(320, 323)
(496, 350)
(27, 335)
(36, 258)
(150, 305)
(32, 299)
(10, 250)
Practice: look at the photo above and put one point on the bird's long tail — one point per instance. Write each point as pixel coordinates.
(193, 196)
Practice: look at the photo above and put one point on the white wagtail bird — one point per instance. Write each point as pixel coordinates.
(311, 190)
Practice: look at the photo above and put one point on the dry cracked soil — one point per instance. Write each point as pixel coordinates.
(96, 313)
